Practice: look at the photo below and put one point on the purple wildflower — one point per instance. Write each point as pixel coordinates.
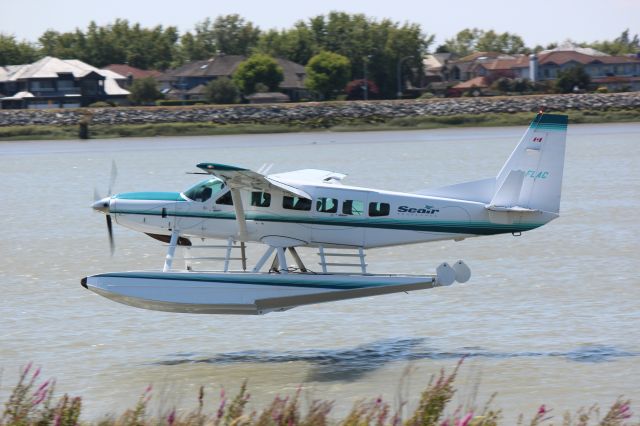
(221, 408)
(465, 420)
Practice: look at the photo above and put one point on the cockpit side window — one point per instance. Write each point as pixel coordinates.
(225, 199)
(296, 203)
(204, 190)
(260, 199)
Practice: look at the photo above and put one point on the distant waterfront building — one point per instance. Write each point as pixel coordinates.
(613, 72)
(180, 83)
(58, 83)
(131, 74)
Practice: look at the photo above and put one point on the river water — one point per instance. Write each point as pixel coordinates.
(551, 317)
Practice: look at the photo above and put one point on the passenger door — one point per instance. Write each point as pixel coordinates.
(338, 217)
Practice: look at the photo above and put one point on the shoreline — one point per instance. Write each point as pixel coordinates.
(102, 131)
(351, 116)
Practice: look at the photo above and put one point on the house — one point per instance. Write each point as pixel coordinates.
(131, 74)
(178, 83)
(57, 83)
(476, 86)
(613, 72)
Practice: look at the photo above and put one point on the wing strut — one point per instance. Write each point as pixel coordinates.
(240, 218)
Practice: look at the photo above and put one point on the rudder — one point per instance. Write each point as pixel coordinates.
(540, 156)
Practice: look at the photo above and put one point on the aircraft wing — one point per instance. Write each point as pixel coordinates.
(239, 178)
(313, 176)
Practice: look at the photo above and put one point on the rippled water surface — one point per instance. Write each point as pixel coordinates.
(550, 317)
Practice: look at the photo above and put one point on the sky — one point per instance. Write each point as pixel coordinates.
(537, 22)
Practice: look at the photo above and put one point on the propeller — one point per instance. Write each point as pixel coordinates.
(102, 204)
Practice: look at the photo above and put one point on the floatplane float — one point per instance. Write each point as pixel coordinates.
(313, 208)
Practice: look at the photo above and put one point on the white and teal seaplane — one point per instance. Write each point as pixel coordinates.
(313, 208)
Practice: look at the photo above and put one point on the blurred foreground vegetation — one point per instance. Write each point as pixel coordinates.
(33, 402)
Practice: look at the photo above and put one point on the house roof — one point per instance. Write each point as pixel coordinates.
(562, 57)
(293, 74)
(436, 60)
(478, 82)
(614, 79)
(225, 66)
(50, 67)
(127, 70)
(570, 46)
(218, 66)
(19, 95)
(506, 63)
(479, 55)
(198, 90)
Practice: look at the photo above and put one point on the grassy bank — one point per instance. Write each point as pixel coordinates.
(33, 402)
(37, 132)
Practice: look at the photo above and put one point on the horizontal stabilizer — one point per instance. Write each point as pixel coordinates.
(514, 209)
(509, 193)
(477, 190)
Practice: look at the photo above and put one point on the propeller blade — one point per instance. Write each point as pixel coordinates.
(112, 177)
(112, 244)
(96, 195)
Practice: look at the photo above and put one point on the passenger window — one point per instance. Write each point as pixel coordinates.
(353, 207)
(327, 205)
(260, 199)
(225, 199)
(378, 209)
(296, 203)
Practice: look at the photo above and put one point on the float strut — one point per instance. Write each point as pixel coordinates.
(168, 261)
(263, 259)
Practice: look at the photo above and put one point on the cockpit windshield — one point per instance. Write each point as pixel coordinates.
(205, 189)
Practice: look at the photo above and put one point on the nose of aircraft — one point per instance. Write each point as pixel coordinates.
(102, 205)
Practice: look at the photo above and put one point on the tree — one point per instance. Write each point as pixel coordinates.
(297, 44)
(464, 42)
(327, 72)
(115, 43)
(572, 77)
(470, 40)
(235, 36)
(144, 91)
(381, 44)
(622, 45)
(228, 34)
(13, 52)
(258, 68)
(222, 91)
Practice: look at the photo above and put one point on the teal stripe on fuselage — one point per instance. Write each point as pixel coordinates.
(150, 196)
(477, 228)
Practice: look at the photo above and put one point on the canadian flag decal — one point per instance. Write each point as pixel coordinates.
(537, 139)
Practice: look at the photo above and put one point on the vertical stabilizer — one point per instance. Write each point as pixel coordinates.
(540, 158)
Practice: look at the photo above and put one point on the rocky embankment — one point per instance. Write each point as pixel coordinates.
(326, 111)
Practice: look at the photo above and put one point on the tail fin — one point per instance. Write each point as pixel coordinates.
(532, 176)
